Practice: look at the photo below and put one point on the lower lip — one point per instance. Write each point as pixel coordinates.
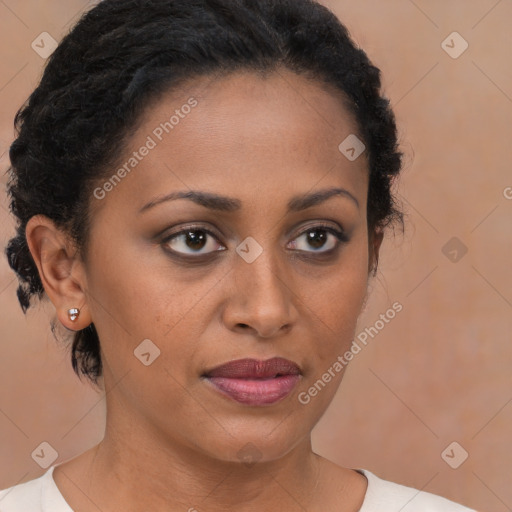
(256, 391)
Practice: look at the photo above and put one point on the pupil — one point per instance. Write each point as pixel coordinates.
(317, 241)
(197, 240)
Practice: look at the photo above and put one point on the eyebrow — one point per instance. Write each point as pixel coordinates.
(231, 204)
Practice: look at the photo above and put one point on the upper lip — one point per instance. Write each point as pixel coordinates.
(255, 369)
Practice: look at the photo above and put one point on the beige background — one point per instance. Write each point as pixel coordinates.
(439, 372)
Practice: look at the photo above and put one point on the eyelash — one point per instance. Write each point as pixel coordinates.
(340, 236)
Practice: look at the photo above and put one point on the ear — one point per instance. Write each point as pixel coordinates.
(62, 273)
(375, 241)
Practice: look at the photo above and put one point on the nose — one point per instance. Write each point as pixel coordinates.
(261, 299)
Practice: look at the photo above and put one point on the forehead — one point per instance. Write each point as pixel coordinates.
(252, 135)
(248, 105)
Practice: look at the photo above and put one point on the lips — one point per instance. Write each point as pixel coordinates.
(254, 382)
(254, 369)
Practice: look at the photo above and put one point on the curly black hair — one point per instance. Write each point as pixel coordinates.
(120, 57)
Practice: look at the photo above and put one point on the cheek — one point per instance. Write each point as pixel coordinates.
(136, 297)
(138, 294)
(335, 298)
(333, 311)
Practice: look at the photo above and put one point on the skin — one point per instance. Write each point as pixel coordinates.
(171, 441)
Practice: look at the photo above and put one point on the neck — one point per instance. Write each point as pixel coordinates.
(142, 474)
(138, 466)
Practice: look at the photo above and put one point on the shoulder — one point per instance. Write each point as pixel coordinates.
(37, 495)
(385, 496)
(22, 497)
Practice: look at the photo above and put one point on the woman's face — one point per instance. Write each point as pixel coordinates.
(261, 274)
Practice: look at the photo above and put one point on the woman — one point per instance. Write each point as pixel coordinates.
(202, 189)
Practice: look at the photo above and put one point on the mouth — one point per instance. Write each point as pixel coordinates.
(254, 382)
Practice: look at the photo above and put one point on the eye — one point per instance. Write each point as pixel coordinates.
(193, 240)
(196, 240)
(317, 237)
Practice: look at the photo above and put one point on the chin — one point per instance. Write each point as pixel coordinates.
(250, 446)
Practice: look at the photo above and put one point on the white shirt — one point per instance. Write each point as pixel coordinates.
(42, 495)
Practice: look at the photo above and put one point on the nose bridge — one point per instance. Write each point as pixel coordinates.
(259, 268)
(263, 299)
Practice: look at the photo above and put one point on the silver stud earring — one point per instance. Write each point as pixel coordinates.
(73, 314)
